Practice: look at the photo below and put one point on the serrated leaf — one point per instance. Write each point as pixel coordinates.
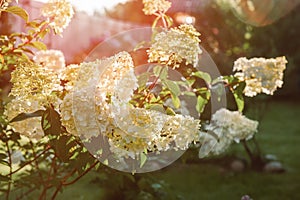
(173, 87)
(187, 93)
(238, 96)
(143, 158)
(156, 70)
(43, 33)
(62, 150)
(27, 50)
(201, 102)
(38, 45)
(24, 116)
(143, 79)
(18, 11)
(164, 73)
(51, 122)
(170, 111)
(175, 101)
(230, 79)
(157, 107)
(203, 75)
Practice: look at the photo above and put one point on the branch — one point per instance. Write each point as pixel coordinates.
(247, 150)
(29, 162)
(81, 175)
(25, 194)
(10, 170)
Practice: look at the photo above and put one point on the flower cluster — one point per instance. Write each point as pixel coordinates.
(225, 127)
(173, 46)
(33, 82)
(152, 131)
(155, 6)
(99, 105)
(4, 4)
(30, 127)
(69, 76)
(261, 75)
(35, 86)
(59, 13)
(50, 59)
(96, 83)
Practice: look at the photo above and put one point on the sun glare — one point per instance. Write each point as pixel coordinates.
(91, 6)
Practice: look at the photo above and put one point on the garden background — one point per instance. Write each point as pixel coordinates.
(226, 37)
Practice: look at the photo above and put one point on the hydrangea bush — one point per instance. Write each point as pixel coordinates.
(69, 119)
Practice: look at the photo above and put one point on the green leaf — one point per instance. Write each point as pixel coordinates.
(164, 73)
(169, 20)
(161, 72)
(43, 33)
(3, 156)
(4, 178)
(201, 102)
(173, 87)
(105, 162)
(24, 116)
(238, 96)
(190, 81)
(143, 159)
(203, 75)
(188, 93)
(38, 45)
(4, 162)
(156, 70)
(51, 122)
(170, 111)
(175, 101)
(33, 24)
(157, 107)
(62, 150)
(143, 79)
(15, 136)
(17, 11)
(1, 59)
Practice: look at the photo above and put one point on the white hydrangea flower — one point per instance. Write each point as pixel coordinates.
(66, 112)
(225, 127)
(51, 59)
(30, 127)
(261, 75)
(155, 6)
(99, 105)
(32, 82)
(59, 13)
(171, 47)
